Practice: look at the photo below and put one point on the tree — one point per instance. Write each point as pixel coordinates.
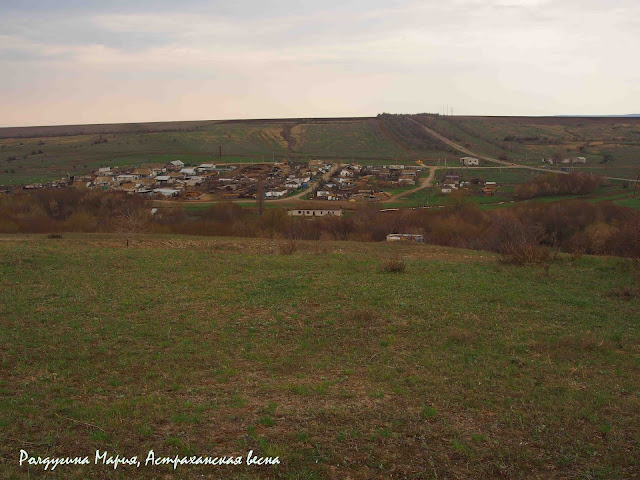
(133, 219)
(459, 198)
(260, 197)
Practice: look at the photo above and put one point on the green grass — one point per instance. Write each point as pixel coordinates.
(459, 367)
(361, 140)
(631, 202)
(592, 138)
(499, 175)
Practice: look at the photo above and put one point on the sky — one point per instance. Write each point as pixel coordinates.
(86, 61)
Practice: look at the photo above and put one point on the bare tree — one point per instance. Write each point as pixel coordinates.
(133, 220)
(260, 197)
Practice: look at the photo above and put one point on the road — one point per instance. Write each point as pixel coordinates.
(471, 153)
(424, 183)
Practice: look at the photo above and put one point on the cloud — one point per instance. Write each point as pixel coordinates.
(353, 58)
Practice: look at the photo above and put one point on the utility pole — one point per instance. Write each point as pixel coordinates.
(220, 151)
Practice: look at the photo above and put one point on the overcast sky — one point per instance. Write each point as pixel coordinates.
(85, 61)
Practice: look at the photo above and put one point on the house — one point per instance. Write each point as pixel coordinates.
(276, 193)
(489, 189)
(175, 165)
(224, 168)
(188, 172)
(407, 237)
(207, 167)
(103, 180)
(104, 170)
(127, 178)
(130, 187)
(469, 161)
(146, 181)
(142, 172)
(195, 181)
(293, 184)
(166, 192)
(336, 196)
(407, 179)
(157, 169)
(578, 160)
(315, 213)
(163, 179)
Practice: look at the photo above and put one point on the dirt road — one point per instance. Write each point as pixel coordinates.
(424, 183)
(459, 147)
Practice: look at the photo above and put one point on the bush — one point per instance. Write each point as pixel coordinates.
(518, 242)
(395, 265)
(288, 247)
(556, 184)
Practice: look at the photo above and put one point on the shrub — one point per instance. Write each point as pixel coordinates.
(394, 265)
(288, 247)
(518, 242)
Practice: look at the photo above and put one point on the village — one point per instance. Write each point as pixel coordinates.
(313, 180)
(317, 179)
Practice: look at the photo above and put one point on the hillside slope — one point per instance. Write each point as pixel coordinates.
(30, 154)
(459, 367)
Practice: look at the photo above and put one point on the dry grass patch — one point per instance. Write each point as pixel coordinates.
(394, 265)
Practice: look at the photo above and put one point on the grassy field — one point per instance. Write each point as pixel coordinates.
(459, 367)
(527, 140)
(39, 154)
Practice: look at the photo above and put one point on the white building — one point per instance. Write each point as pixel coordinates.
(407, 237)
(188, 172)
(469, 161)
(276, 193)
(166, 192)
(315, 213)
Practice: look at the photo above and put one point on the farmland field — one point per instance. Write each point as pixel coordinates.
(32, 154)
(40, 153)
(526, 140)
(459, 367)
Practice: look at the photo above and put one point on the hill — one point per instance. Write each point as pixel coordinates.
(611, 145)
(458, 367)
(30, 154)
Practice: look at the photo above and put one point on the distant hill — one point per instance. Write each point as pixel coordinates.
(31, 154)
(603, 116)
